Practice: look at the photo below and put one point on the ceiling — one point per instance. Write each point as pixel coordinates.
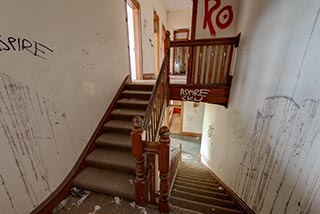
(178, 4)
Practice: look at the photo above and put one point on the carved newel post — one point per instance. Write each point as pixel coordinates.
(164, 161)
(137, 152)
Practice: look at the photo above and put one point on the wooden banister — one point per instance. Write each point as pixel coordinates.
(163, 152)
(139, 157)
(145, 147)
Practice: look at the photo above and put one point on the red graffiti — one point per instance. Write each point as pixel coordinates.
(224, 17)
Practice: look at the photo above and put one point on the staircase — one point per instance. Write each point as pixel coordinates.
(195, 189)
(110, 166)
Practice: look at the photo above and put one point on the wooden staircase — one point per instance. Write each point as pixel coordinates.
(196, 189)
(110, 167)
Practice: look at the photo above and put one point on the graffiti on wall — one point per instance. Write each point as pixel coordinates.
(223, 16)
(21, 44)
(195, 95)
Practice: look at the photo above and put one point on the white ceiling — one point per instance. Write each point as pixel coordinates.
(178, 4)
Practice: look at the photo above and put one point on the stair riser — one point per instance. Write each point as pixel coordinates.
(117, 130)
(209, 184)
(117, 168)
(196, 178)
(127, 117)
(205, 200)
(138, 87)
(203, 208)
(132, 106)
(202, 192)
(113, 145)
(136, 96)
(194, 175)
(196, 186)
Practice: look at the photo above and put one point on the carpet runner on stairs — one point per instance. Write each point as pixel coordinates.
(196, 189)
(110, 167)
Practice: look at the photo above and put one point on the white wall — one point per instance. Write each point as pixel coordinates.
(179, 19)
(192, 117)
(147, 31)
(266, 145)
(50, 107)
(223, 12)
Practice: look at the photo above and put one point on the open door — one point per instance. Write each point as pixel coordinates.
(134, 32)
(156, 42)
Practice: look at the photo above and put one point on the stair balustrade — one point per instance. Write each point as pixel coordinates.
(209, 60)
(146, 145)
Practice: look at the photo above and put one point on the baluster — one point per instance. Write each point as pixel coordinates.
(164, 160)
(152, 178)
(137, 152)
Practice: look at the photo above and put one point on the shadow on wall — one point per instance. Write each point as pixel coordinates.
(280, 170)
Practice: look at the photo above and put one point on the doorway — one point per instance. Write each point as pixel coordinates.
(134, 33)
(156, 42)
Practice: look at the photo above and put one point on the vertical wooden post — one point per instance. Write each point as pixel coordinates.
(164, 162)
(152, 178)
(137, 152)
(167, 49)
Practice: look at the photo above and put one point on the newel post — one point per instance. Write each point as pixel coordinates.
(137, 152)
(164, 168)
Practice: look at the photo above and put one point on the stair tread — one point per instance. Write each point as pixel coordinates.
(202, 207)
(111, 159)
(204, 199)
(121, 124)
(114, 140)
(132, 112)
(106, 181)
(216, 192)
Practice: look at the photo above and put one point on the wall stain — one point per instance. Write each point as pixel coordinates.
(280, 170)
(2, 182)
(26, 125)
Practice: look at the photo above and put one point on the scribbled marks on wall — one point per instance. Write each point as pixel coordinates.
(5, 188)
(211, 133)
(282, 158)
(25, 126)
(223, 16)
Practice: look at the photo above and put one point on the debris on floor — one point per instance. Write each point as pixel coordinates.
(96, 208)
(133, 204)
(83, 197)
(117, 200)
(61, 205)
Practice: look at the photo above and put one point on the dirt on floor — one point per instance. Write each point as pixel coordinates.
(105, 204)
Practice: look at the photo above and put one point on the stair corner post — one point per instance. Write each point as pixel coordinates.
(164, 168)
(137, 152)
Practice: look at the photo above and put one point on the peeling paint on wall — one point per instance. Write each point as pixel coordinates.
(280, 169)
(26, 126)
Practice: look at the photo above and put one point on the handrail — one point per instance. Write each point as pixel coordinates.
(201, 42)
(161, 77)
